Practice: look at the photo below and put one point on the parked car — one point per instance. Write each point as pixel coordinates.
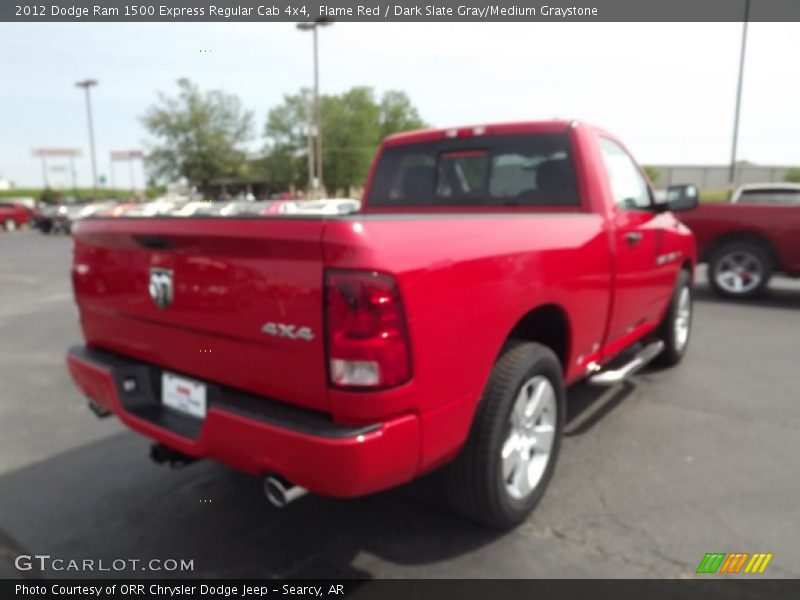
(333, 206)
(196, 207)
(57, 218)
(13, 216)
(96, 209)
(749, 239)
(158, 208)
(239, 207)
(490, 267)
(123, 208)
(279, 207)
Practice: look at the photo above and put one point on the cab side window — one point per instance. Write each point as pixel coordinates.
(629, 187)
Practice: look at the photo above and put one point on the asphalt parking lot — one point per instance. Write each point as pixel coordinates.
(652, 475)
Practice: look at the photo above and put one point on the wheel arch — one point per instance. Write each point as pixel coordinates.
(744, 235)
(547, 324)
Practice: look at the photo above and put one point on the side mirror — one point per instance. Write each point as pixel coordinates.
(680, 198)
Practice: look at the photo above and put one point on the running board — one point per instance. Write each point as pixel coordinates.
(644, 356)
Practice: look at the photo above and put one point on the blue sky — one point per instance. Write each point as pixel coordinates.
(666, 89)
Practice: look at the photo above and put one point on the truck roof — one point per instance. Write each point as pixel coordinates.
(769, 186)
(509, 128)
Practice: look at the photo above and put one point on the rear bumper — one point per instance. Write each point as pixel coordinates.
(252, 433)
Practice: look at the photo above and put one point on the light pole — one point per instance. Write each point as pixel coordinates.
(732, 175)
(86, 84)
(312, 26)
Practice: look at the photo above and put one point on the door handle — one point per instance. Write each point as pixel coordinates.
(633, 237)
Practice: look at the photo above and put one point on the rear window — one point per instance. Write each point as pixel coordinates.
(770, 196)
(513, 170)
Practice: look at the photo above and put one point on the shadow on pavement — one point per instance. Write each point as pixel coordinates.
(588, 405)
(106, 500)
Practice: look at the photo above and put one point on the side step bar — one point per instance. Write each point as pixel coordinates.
(644, 356)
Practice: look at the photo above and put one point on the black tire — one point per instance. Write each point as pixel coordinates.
(754, 252)
(674, 346)
(474, 482)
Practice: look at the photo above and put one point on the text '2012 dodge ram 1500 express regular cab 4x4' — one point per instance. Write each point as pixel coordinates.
(489, 268)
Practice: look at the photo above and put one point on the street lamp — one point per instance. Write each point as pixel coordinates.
(86, 84)
(312, 26)
(732, 175)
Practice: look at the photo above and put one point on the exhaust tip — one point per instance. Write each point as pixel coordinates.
(99, 411)
(161, 455)
(280, 492)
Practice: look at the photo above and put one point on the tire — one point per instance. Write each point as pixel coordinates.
(9, 224)
(476, 483)
(676, 327)
(739, 270)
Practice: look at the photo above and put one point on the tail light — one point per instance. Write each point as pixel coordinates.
(367, 337)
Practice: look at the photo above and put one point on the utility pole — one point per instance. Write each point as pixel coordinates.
(133, 178)
(44, 171)
(311, 150)
(313, 26)
(72, 172)
(86, 85)
(732, 174)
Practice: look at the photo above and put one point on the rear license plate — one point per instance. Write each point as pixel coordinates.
(184, 395)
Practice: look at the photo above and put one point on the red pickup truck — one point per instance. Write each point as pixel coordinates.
(488, 268)
(746, 241)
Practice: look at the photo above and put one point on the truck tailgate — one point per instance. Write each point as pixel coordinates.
(246, 299)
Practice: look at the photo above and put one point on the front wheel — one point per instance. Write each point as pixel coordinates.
(676, 327)
(504, 468)
(9, 224)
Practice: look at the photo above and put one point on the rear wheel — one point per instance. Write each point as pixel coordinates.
(739, 270)
(504, 468)
(676, 327)
(9, 224)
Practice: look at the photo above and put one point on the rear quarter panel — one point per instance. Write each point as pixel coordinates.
(466, 281)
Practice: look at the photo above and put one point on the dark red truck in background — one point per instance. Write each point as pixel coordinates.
(747, 240)
(489, 268)
(13, 215)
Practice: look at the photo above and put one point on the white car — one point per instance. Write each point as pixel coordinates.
(197, 207)
(332, 206)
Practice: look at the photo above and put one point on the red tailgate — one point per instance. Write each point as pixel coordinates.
(242, 290)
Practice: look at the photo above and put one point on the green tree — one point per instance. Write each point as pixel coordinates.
(398, 114)
(792, 175)
(49, 196)
(652, 173)
(353, 124)
(351, 129)
(199, 135)
(285, 162)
